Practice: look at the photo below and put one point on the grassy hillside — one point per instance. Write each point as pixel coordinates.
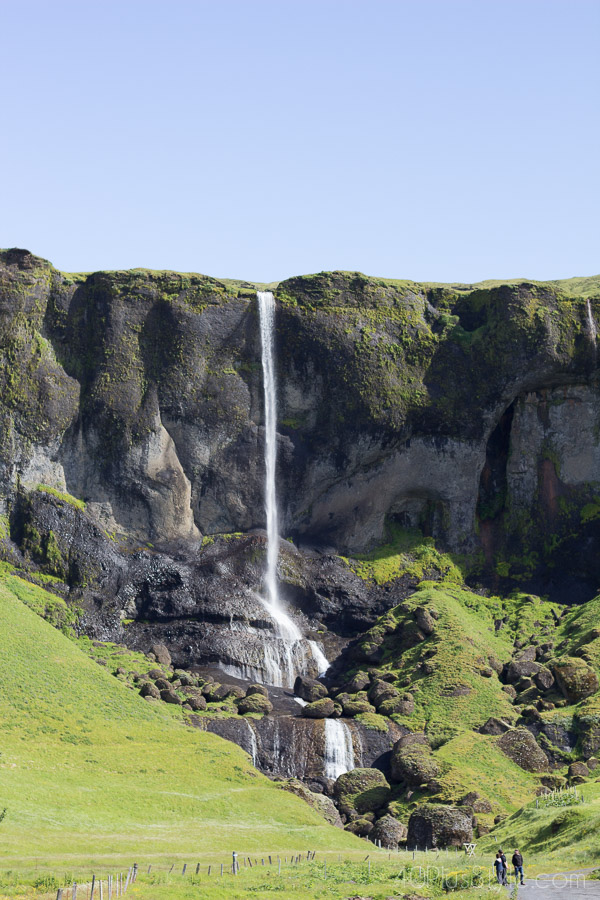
(90, 771)
(557, 837)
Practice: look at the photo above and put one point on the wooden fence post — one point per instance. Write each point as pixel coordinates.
(59, 894)
(197, 868)
(93, 886)
(74, 891)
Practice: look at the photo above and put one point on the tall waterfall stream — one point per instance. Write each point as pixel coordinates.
(291, 656)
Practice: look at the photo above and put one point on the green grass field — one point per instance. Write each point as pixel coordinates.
(92, 774)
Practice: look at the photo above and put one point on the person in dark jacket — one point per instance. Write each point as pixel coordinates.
(499, 869)
(504, 866)
(517, 862)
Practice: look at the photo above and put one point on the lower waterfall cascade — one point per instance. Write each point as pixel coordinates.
(339, 751)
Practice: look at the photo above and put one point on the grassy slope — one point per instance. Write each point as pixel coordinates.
(558, 838)
(89, 770)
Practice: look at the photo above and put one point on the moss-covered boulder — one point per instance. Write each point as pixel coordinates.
(439, 826)
(403, 705)
(575, 678)
(257, 689)
(319, 709)
(390, 832)
(361, 827)
(254, 703)
(380, 691)
(412, 762)
(150, 690)
(309, 689)
(323, 805)
(520, 745)
(361, 791)
(355, 707)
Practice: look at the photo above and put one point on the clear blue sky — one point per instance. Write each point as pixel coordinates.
(258, 139)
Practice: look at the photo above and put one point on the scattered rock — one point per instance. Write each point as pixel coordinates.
(360, 827)
(309, 689)
(495, 726)
(169, 696)
(575, 678)
(544, 679)
(150, 690)
(319, 709)
(361, 790)
(424, 620)
(318, 801)
(520, 745)
(257, 689)
(390, 832)
(161, 654)
(439, 826)
(578, 768)
(254, 703)
(412, 761)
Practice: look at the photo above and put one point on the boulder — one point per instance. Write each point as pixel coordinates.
(162, 684)
(412, 761)
(424, 619)
(358, 682)
(544, 679)
(510, 690)
(520, 745)
(380, 691)
(318, 801)
(390, 832)
(578, 768)
(439, 826)
(309, 689)
(404, 705)
(319, 709)
(197, 703)
(257, 689)
(150, 690)
(360, 827)
(161, 654)
(575, 678)
(494, 726)
(352, 707)
(361, 790)
(520, 668)
(254, 703)
(169, 696)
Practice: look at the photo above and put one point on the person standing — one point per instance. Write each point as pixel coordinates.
(504, 866)
(517, 862)
(498, 866)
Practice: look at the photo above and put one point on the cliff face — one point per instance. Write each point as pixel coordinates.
(472, 414)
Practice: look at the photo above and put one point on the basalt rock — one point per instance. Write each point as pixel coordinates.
(362, 790)
(520, 746)
(309, 689)
(439, 826)
(575, 678)
(390, 832)
(319, 709)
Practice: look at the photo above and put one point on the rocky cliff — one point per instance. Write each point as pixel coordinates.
(470, 413)
(426, 434)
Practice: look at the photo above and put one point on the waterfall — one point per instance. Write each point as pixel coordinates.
(319, 657)
(290, 636)
(592, 330)
(253, 742)
(339, 752)
(266, 307)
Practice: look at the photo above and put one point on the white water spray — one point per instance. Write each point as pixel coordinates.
(339, 752)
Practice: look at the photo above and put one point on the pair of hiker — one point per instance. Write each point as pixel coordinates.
(501, 866)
